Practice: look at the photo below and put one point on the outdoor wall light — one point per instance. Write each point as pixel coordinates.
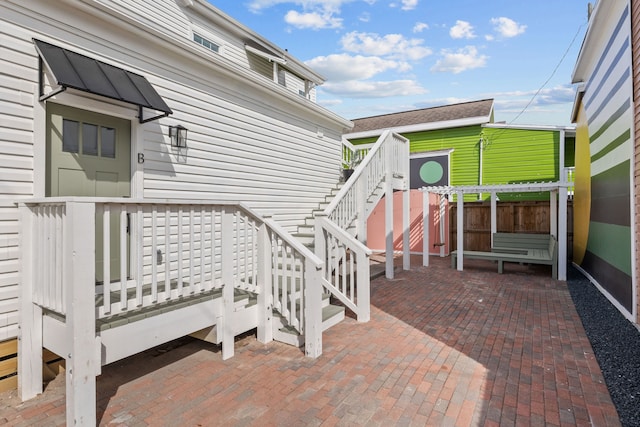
(178, 136)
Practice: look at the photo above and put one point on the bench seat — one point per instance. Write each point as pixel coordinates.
(544, 251)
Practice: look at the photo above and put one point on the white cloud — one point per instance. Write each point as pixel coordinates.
(327, 5)
(409, 4)
(344, 67)
(258, 5)
(330, 102)
(461, 60)
(391, 45)
(506, 27)
(420, 27)
(364, 17)
(462, 30)
(312, 20)
(549, 96)
(374, 89)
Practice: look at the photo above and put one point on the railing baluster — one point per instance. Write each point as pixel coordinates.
(167, 252)
(154, 253)
(352, 277)
(245, 251)
(191, 249)
(180, 266)
(59, 287)
(139, 256)
(124, 256)
(106, 255)
(49, 255)
(201, 259)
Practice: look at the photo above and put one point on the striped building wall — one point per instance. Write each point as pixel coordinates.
(635, 42)
(605, 150)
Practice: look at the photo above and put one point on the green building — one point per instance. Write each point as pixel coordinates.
(460, 144)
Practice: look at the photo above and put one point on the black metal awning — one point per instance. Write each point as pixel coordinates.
(73, 70)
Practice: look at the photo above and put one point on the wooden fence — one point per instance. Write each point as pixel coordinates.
(512, 217)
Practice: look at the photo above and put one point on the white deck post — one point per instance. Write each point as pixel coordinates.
(460, 231)
(312, 310)
(82, 363)
(494, 215)
(363, 290)
(406, 224)
(426, 225)
(553, 212)
(30, 332)
(265, 297)
(562, 235)
(388, 213)
(227, 256)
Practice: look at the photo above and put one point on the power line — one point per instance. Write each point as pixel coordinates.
(566, 52)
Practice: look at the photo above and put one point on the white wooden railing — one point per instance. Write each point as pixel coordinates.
(353, 155)
(168, 251)
(345, 258)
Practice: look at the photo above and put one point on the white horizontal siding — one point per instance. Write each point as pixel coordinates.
(18, 82)
(244, 145)
(162, 15)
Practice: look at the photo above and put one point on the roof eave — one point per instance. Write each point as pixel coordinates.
(422, 127)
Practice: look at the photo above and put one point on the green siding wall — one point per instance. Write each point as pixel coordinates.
(509, 156)
(512, 156)
(464, 141)
(465, 162)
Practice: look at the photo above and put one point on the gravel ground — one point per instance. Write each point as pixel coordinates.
(615, 342)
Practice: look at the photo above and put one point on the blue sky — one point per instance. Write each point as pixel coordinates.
(382, 56)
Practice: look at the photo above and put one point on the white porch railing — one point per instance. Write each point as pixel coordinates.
(353, 155)
(346, 259)
(166, 251)
(91, 259)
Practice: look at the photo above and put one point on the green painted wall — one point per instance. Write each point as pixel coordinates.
(464, 158)
(512, 156)
(509, 156)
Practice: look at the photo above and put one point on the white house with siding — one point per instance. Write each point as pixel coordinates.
(178, 161)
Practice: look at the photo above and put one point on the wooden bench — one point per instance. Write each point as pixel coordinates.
(518, 247)
(519, 242)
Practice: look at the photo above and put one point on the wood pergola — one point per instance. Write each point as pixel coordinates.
(558, 201)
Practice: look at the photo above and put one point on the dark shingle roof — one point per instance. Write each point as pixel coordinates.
(465, 110)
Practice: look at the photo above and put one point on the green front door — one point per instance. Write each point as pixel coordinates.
(88, 154)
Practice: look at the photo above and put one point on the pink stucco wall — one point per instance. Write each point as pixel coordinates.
(375, 224)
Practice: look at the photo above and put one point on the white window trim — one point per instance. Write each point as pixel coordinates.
(202, 32)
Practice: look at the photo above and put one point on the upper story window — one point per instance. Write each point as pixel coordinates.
(206, 43)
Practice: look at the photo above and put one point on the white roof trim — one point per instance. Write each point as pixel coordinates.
(529, 127)
(576, 102)
(423, 154)
(265, 55)
(420, 127)
(532, 187)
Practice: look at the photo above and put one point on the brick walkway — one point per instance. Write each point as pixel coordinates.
(443, 348)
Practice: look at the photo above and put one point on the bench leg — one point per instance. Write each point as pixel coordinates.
(500, 266)
(453, 261)
(554, 270)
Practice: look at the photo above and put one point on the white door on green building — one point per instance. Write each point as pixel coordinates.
(88, 154)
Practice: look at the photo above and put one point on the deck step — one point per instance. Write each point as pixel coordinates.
(331, 316)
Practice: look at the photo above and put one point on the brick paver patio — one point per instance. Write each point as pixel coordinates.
(443, 348)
